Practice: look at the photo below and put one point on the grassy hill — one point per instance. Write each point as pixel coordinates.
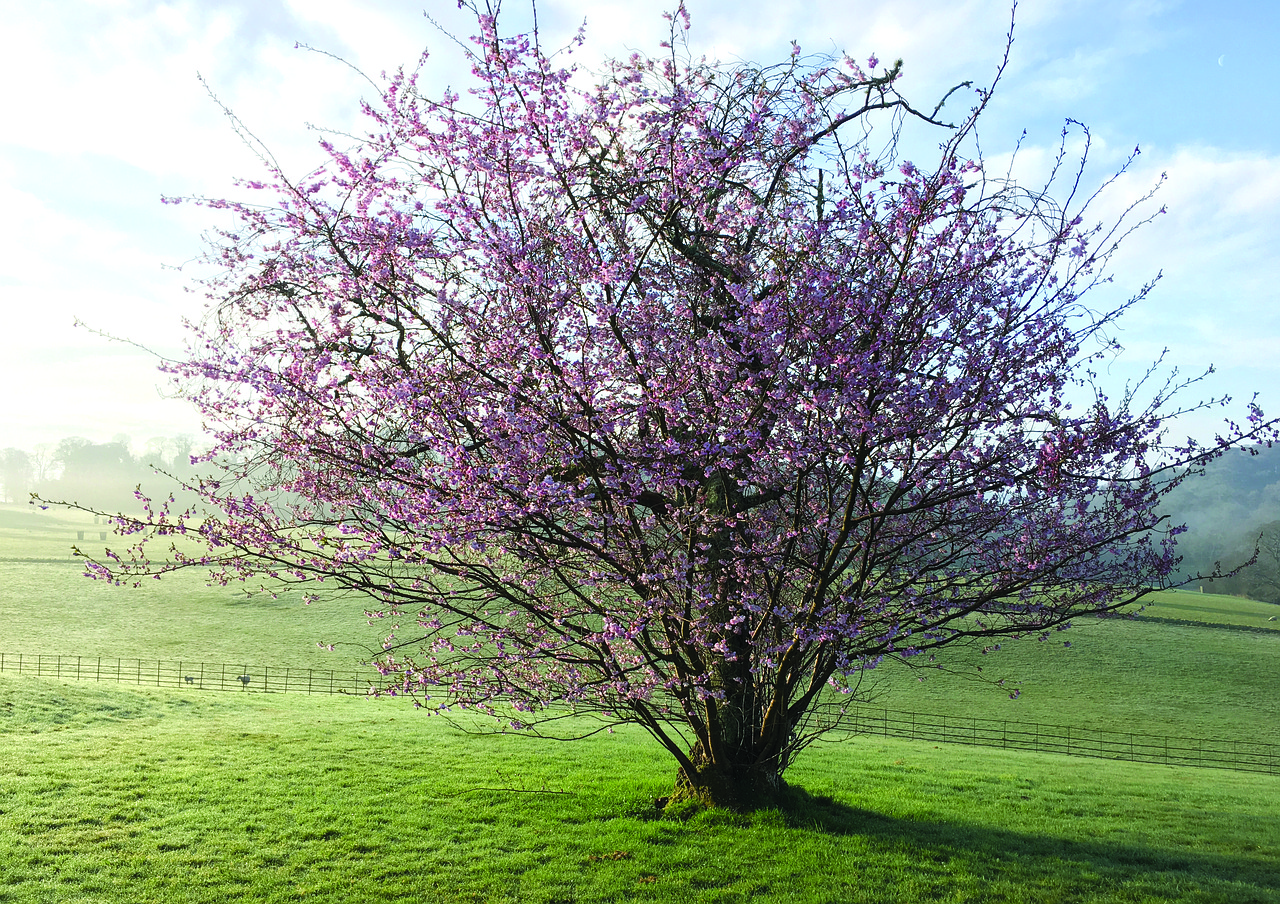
(1195, 665)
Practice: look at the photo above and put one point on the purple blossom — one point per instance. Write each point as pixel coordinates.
(663, 400)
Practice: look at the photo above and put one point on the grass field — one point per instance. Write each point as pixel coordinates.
(48, 606)
(1158, 674)
(123, 794)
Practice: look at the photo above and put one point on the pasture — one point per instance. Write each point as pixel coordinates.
(48, 606)
(114, 793)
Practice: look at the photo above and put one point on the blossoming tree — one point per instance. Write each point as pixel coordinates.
(674, 399)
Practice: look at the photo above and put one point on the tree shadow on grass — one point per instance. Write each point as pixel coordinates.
(1027, 856)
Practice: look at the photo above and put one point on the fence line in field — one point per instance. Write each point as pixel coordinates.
(1132, 746)
(191, 675)
(1223, 753)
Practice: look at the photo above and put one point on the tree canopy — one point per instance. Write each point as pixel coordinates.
(674, 399)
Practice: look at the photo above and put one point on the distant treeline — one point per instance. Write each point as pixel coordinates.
(98, 475)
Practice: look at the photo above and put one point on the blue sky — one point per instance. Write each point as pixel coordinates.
(103, 113)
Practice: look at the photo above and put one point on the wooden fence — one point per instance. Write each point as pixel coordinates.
(1073, 740)
(191, 675)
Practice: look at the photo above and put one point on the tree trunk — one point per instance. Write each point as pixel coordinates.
(732, 786)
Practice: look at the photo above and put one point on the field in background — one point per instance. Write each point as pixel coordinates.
(48, 606)
(1212, 609)
(1161, 673)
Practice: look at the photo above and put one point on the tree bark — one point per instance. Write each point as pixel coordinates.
(743, 785)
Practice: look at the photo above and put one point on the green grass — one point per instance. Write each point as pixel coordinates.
(166, 797)
(1213, 609)
(48, 606)
(127, 794)
(1159, 674)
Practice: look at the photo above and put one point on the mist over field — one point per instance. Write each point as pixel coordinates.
(103, 475)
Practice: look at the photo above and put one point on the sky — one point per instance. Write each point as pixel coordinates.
(108, 105)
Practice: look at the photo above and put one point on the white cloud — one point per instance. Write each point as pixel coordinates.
(934, 39)
(1218, 236)
(1218, 303)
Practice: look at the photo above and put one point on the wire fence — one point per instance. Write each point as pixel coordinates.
(1223, 753)
(1073, 740)
(191, 675)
